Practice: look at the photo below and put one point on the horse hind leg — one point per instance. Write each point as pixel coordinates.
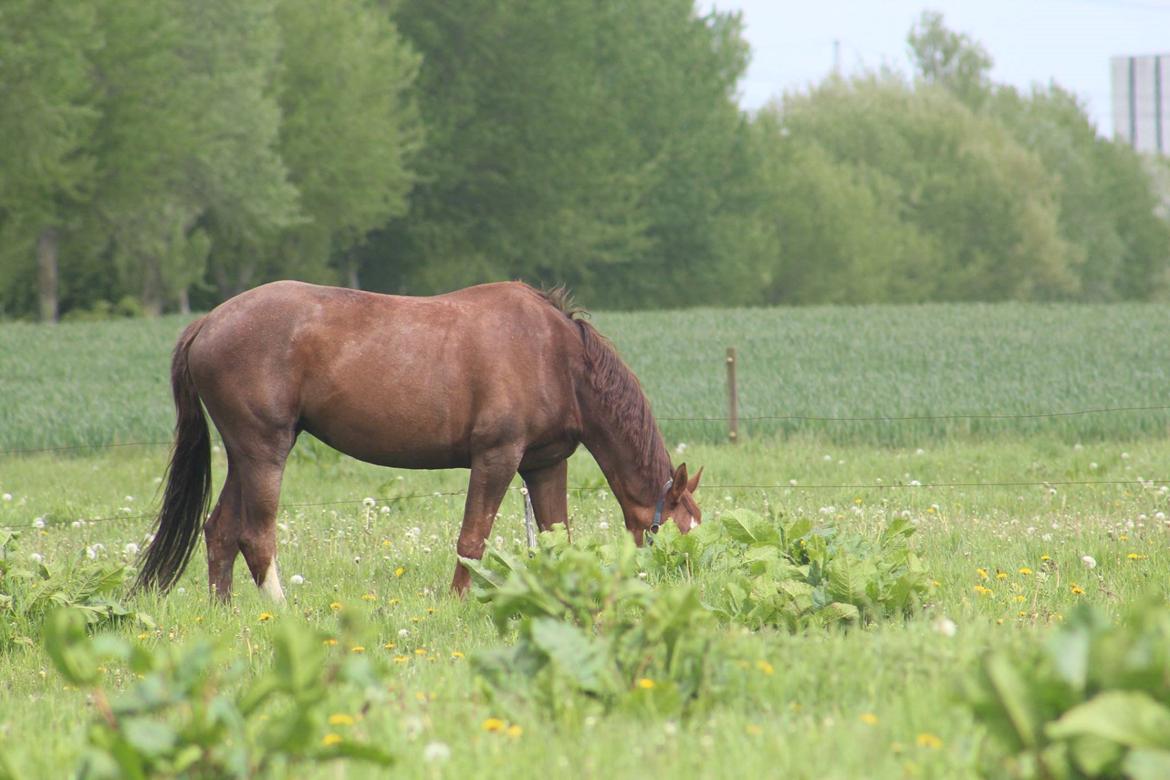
(260, 494)
(222, 535)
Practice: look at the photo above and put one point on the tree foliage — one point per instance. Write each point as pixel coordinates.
(166, 153)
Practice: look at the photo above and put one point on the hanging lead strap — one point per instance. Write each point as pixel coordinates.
(529, 518)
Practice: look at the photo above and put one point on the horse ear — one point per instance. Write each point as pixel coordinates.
(680, 482)
(693, 484)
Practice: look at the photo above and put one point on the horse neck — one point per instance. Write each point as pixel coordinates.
(618, 428)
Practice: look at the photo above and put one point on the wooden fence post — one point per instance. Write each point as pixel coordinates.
(732, 399)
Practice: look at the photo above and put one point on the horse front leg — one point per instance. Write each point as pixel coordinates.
(548, 489)
(491, 473)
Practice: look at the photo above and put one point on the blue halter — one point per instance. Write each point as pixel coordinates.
(657, 523)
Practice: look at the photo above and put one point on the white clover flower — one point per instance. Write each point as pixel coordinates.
(39, 522)
(7, 496)
(36, 557)
(919, 451)
(828, 459)
(436, 752)
(604, 526)
(1089, 561)
(368, 502)
(297, 579)
(945, 626)
(915, 483)
(403, 633)
(90, 553)
(131, 548)
(180, 591)
(1093, 466)
(681, 447)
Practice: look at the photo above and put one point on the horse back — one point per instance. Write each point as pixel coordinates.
(396, 380)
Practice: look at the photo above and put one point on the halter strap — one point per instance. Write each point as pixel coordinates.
(657, 523)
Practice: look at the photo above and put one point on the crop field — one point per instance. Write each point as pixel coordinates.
(954, 597)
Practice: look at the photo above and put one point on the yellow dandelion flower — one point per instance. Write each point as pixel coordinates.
(1021, 598)
(1025, 571)
(389, 645)
(869, 719)
(764, 667)
(1123, 537)
(386, 542)
(420, 651)
(646, 683)
(393, 602)
(515, 731)
(401, 659)
(369, 597)
(984, 591)
(331, 739)
(400, 571)
(1135, 556)
(1045, 557)
(1022, 613)
(340, 719)
(1076, 589)
(266, 616)
(144, 635)
(357, 649)
(928, 740)
(330, 642)
(494, 725)
(456, 654)
(335, 606)
(935, 584)
(982, 573)
(1001, 575)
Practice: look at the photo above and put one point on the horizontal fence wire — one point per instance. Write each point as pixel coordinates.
(722, 419)
(856, 486)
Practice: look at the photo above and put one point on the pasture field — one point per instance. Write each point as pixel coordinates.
(107, 382)
(1005, 513)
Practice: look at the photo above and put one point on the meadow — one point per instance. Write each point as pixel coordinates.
(1007, 513)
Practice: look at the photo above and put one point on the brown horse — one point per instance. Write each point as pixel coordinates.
(497, 378)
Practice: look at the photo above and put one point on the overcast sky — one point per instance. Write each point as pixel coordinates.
(1066, 41)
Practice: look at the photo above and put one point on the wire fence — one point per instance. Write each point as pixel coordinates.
(760, 418)
(766, 487)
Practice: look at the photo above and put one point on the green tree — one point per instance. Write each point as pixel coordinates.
(985, 203)
(46, 118)
(573, 141)
(349, 130)
(951, 60)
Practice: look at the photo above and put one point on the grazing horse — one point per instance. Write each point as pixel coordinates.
(499, 378)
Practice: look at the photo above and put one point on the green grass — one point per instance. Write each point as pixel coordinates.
(804, 720)
(107, 382)
(93, 384)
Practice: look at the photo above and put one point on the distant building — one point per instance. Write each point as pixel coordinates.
(1141, 102)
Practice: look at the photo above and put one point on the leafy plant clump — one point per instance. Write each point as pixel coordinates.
(187, 715)
(794, 574)
(592, 634)
(1091, 702)
(29, 591)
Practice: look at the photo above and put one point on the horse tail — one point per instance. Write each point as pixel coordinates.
(188, 491)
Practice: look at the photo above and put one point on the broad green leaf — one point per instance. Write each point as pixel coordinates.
(69, 647)
(1130, 718)
(1014, 696)
(357, 751)
(582, 658)
(840, 612)
(1147, 764)
(148, 736)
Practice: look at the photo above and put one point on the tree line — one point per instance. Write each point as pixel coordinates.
(166, 155)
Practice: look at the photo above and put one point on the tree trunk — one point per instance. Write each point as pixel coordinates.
(184, 301)
(47, 246)
(351, 274)
(152, 289)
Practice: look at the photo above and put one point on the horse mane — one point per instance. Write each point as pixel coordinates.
(618, 392)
